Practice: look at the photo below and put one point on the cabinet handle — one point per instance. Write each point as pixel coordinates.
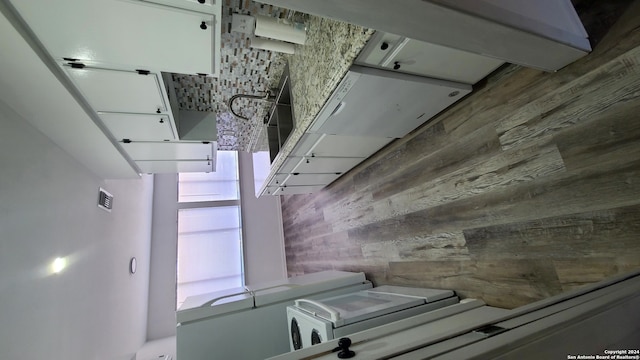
(396, 65)
(158, 111)
(161, 121)
(384, 46)
(203, 26)
(201, 1)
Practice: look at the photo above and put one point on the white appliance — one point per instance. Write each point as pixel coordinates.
(220, 325)
(373, 102)
(599, 319)
(315, 321)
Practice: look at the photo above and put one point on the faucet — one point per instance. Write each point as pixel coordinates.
(268, 96)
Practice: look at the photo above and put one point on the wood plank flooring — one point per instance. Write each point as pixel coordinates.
(527, 188)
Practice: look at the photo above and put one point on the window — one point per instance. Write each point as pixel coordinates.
(209, 230)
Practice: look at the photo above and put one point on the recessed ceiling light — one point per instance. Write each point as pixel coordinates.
(58, 265)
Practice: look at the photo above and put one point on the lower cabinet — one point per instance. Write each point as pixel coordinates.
(326, 165)
(318, 160)
(297, 179)
(411, 56)
(294, 190)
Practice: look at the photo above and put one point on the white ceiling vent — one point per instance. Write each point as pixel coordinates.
(105, 200)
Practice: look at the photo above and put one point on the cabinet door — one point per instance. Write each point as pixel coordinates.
(168, 166)
(119, 91)
(125, 33)
(169, 151)
(347, 146)
(138, 127)
(278, 180)
(310, 179)
(421, 58)
(292, 190)
(208, 6)
(417, 57)
(326, 165)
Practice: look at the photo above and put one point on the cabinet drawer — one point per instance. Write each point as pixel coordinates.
(311, 179)
(139, 127)
(168, 166)
(170, 151)
(347, 146)
(417, 57)
(326, 165)
(292, 190)
(289, 164)
(278, 180)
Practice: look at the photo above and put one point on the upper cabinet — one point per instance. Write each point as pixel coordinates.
(119, 91)
(131, 104)
(178, 36)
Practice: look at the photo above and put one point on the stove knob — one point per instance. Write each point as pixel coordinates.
(343, 345)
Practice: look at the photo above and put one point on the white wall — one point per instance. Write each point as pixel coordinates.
(94, 309)
(164, 252)
(160, 349)
(262, 235)
(262, 229)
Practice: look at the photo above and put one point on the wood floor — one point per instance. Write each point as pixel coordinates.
(527, 188)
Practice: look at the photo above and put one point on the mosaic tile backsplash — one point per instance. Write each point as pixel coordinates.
(244, 70)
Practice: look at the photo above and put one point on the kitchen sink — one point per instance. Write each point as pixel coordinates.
(280, 121)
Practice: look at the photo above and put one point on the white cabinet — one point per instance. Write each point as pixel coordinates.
(169, 150)
(174, 166)
(300, 179)
(326, 165)
(119, 91)
(127, 33)
(411, 56)
(294, 190)
(371, 102)
(208, 6)
(318, 159)
(326, 145)
(172, 157)
(138, 127)
(133, 105)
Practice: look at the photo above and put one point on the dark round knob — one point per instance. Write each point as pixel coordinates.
(345, 353)
(396, 65)
(384, 46)
(203, 26)
(158, 111)
(161, 121)
(344, 343)
(201, 1)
